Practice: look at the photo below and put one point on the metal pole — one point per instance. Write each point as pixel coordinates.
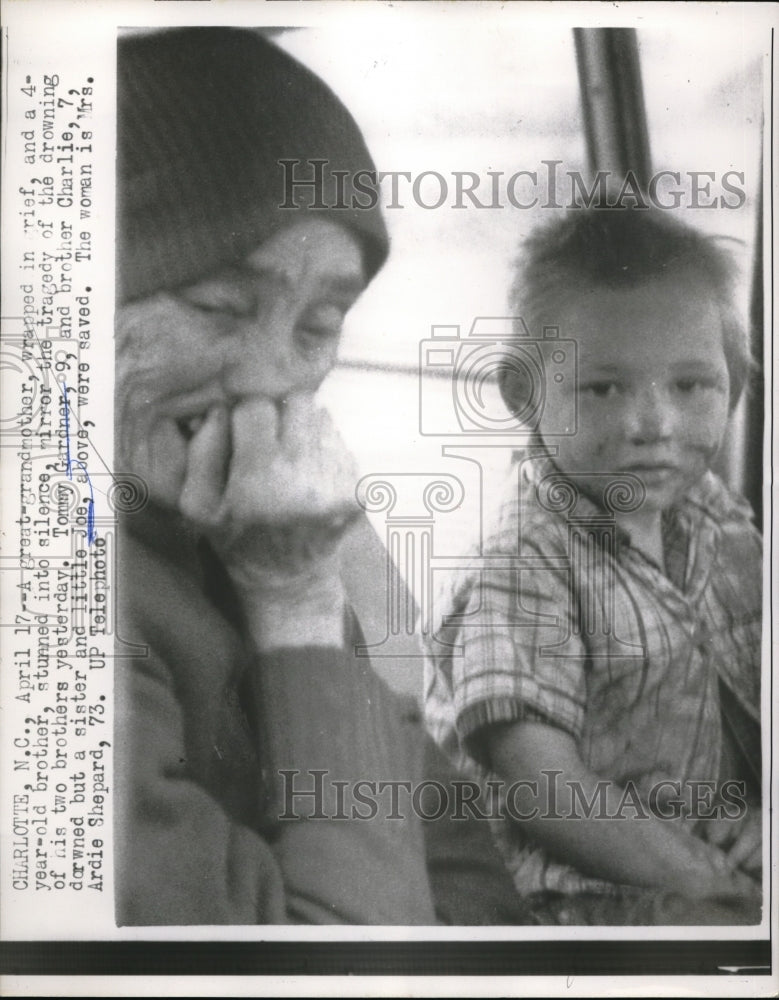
(613, 102)
(755, 403)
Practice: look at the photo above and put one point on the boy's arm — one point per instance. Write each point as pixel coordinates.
(646, 852)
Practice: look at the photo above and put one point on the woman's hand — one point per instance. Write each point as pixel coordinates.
(272, 487)
(269, 482)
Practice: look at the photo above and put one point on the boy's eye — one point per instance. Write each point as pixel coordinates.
(695, 384)
(603, 389)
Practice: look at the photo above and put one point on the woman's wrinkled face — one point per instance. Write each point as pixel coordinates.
(263, 330)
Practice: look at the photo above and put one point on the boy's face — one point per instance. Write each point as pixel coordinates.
(653, 385)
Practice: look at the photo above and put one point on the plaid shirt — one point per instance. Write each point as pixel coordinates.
(581, 630)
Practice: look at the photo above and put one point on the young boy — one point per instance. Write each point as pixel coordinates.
(607, 680)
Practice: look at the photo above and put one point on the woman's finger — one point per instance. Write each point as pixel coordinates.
(207, 460)
(159, 458)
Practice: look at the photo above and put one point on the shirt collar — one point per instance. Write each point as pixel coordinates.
(707, 499)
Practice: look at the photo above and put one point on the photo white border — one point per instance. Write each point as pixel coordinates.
(65, 25)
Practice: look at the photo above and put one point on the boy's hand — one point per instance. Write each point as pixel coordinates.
(647, 852)
(746, 852)
(741, 840)
(713, 874)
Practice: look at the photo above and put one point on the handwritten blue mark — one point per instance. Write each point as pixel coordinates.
(70, 462)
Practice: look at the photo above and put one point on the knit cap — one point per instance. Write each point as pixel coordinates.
(205, 115)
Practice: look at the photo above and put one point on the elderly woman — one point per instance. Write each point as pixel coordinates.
(236, 680)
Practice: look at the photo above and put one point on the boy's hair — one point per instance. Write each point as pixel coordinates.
(622, 248)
